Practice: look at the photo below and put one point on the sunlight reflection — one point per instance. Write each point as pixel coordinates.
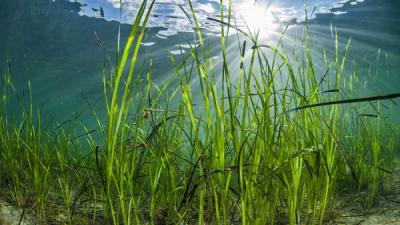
(257, 18)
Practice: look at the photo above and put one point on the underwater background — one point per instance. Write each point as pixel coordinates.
(199, 112)
(61, 46)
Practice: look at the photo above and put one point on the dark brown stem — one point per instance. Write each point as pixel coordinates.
(348, 101)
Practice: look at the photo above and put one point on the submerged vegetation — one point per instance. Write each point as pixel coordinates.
(263, 150)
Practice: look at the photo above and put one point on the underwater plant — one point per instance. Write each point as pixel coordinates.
(267, 141)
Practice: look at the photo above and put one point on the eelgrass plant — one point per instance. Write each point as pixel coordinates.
(260, 151)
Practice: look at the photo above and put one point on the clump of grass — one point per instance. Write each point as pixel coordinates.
(260, 151)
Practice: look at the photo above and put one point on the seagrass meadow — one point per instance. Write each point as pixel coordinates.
(267, 132)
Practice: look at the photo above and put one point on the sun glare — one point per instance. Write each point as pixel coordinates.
(257, 18)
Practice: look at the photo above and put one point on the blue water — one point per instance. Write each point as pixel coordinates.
(171, 14)
(54, 43)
